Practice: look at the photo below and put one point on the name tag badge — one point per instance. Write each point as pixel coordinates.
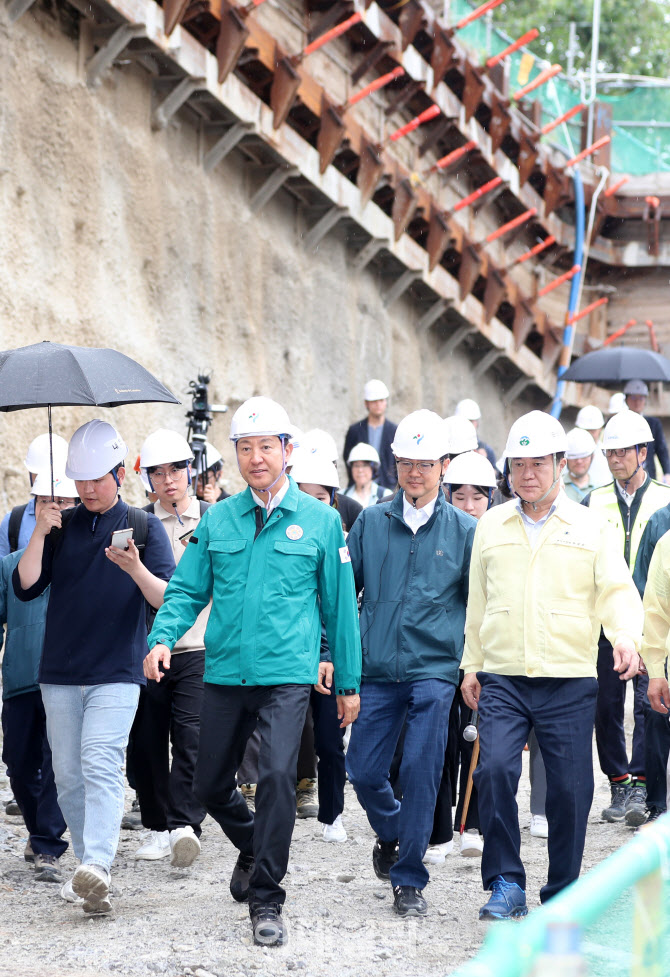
(294, 532)
(344, 554)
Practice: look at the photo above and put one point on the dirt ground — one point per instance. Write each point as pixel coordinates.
(184, 922)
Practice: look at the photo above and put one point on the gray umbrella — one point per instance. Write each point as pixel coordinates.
(51, 375)
(615, 365)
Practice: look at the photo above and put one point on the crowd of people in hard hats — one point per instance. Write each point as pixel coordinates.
(243, 655)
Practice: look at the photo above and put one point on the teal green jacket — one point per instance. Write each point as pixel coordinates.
(268, 594)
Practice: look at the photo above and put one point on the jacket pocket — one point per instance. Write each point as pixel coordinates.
(494, 631)
(225, 553)
(294, 567)
(569, 630)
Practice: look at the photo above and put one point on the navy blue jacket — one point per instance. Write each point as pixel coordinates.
(657, 447)
(358, 433)
(25, 633)
(658, 525)
(96, 629)
(415, 590)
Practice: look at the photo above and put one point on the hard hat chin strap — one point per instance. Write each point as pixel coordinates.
(551, 488)
(279, 476)
(638, 466)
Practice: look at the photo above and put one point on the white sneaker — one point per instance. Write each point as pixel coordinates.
(184, 845)
(472, 843)
(334, 831)
(156, 845)
(68, 893)
(91, 883)
(538, 826)
(436, 854)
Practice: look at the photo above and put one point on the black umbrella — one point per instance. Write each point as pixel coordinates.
(51, 375)
(615, 365)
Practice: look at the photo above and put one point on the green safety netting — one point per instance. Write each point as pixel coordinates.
(636, 150)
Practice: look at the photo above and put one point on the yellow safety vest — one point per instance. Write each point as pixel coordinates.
(606, 500)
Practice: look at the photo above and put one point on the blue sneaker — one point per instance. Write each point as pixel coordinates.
(508, 901)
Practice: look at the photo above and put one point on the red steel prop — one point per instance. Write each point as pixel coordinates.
(570, 114)
(587, 310)
(476, 14)
(620, 332)
(477, 194)
(593, 148)
(542, 79)
(525, 39)
(452, 157)
(548, 241)
(616, 186)
(509, 226)
(371, 166)
(559, 281)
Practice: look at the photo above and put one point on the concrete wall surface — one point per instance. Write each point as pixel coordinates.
(113, 235)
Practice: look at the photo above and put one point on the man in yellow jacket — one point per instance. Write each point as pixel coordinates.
(657, 629)
(545, 574)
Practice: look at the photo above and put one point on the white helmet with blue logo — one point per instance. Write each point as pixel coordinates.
(421, 436)
(260, 417)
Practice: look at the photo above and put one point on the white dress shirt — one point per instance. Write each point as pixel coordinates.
(415, 518)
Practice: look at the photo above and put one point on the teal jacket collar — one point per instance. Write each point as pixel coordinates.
(289, 503)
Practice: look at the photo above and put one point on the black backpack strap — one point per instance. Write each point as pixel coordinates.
(151, 507)
(204, 506)
(138, 521)
(15, 517)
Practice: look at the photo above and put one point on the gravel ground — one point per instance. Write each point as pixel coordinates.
(184, 922)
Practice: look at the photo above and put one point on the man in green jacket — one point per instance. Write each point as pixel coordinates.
(274, 562)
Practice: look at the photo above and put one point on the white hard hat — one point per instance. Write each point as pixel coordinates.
(38, 456)
(61, 485)
(469, 409)
(211, 455)
(318, 441)
(296, 436)
(461, 434)
(580, 443)
(617, 403)
(315, 470)
(636, 387)
(534, 435)
(626, 429)
(421, 436)
(259, 417)
(471, 468)
(94, 450)
(164, 447)
(375, 390)
(363, 452)
(590, 418)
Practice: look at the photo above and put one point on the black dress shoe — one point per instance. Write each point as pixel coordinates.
(408, 901)
(267, 923)
(384, 855)
(239, 880)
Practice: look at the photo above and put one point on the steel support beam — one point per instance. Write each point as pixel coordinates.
(401, 285)
(228, 141)
(105, 56)
(326, 223)
(431, 316)
(486, 362)
(517, 389)
(370, 251)
(269, 187)
(456, 339)
(174, 101)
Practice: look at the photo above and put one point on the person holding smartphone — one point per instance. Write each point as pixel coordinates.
(168, 718)
(94, 643)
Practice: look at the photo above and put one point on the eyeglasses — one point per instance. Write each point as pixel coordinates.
(423, 467)
(160, 476)
(63, 503)
(617, 452)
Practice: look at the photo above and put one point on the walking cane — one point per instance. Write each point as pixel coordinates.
(469, 733)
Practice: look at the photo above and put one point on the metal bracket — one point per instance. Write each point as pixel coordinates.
(325, 223)
(228, 141)
(517, 389)
(436, 310)
(456, 339)
(401, 285)
(274, 182)
(174, 101)
(370, 251)
(487, 361)
(107, 54)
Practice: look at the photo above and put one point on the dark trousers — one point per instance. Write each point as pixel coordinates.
(169, 713)
(307, 753)
(329, 746)
(230, 713)
(610, 734)
(562, 713)
(385, 707)
(656, 750)
(27, 754)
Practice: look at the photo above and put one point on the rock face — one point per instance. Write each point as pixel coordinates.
(113, 235)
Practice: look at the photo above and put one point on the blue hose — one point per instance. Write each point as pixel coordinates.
(557, 405)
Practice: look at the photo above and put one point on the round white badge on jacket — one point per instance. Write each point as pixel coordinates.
(294, 532)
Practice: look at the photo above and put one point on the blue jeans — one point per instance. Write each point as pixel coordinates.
(424, 707)
(88, 727)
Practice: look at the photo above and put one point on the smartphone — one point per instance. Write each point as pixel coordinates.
(120, 538)
(186, 535)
